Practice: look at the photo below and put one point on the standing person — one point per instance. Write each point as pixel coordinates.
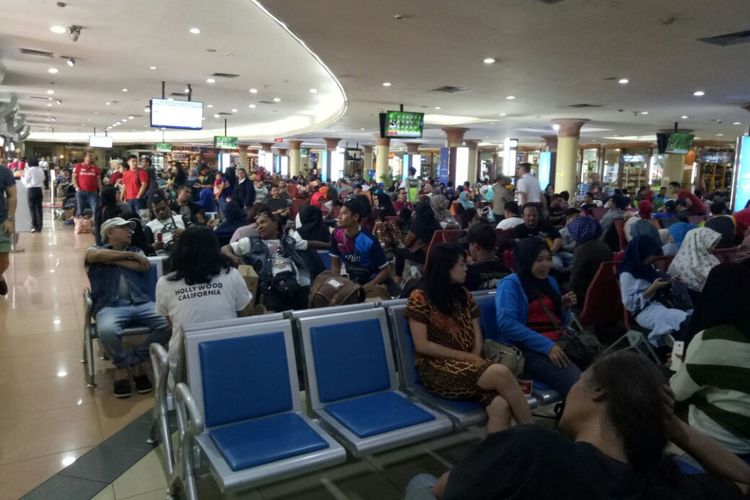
(135, 181)
(527, 186)
(694, 204)
(412, 186)
(115, 179)
(33, 179)
(44, 165)
(244, 191)
(153, 184)
(7, 221)
(500, 196)
(87, 179)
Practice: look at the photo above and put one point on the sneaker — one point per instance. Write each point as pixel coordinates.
(122, 388)
(3, 287)
(142, 384)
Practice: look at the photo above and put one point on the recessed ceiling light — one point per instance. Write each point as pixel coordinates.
(124, 90)
(187, 90)
(644, 112)
(107, 103)
(511, 97)
(719, 135)
(216, 115)
(152, 67)
(146, 109)
(50, 92)
(195, 31)
(234, 110)
(737, 123)
(503, 114)
(277, 99)
(124, 120)
(699, 93)
(386, 84)
(437, 107)
(204, 118)
(58, 29)
(71, 62)
(210, 80)
(556, 127)
(49, 104)
(489, 60)
(362, 130)
(313, 91)
(251, 106)
(53, 71)
(253, 91)
(209, 105)
(684, 117)
(623, 81)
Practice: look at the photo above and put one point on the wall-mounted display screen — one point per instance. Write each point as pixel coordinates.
(167, 113)
(100, 141)
(401, 124)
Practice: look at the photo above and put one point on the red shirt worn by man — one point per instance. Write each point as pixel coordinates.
(696, 205)
(87, 176)
(133, 179)
(742, 218)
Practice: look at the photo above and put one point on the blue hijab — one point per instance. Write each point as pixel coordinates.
(206, 200)
(638, 250)
(678, 231)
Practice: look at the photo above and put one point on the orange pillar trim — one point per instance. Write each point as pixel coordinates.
(570, 127)
(295, 145)
(412, 148)
(454, 135)
(383, 141)
(331, 143)
(282, 151)
(266, 146)
(550, 141)
(367, 148)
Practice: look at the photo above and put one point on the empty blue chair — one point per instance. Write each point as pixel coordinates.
(325, 256)
(352, 385)
(243, 409)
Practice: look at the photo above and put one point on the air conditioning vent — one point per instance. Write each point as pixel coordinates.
(225, 75)
(224, 113)
(37, 53)
(265, 102)
(728, 39)
(178, 94)
(449, 89)
(585, 105)
(39, 98)
(550, 1)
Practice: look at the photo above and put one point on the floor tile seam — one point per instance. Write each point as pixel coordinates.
(92, 404)
(77, 351)
(8, 356)
(47, 455)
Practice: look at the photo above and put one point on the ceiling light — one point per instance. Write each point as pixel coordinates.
(195, 31)
(71, 62)
(489, 60)
(234, 110)
(251, 106)
(130, 117)
(210, 80)
(737, 123)
(146, 109)
(49, 104)
(187, 90)
(313, 91)
(124, 120)
(684, 117)
(644, 112)
(216, 115)
(511, 97)
(209, 105)
(53, 71)
(107, 103)
(719, 135)
(253, 91)
(277, 99)
(362, 130)
(58, 29)
(152, 67)
(386, 84)
(623, 81)
(556, 127)
(124, 90)
(699, 93)
(503, 114)
(50, 92)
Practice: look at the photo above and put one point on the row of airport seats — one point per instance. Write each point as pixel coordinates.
(241, 410)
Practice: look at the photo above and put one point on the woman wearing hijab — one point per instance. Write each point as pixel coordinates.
(716, 368)
(234, 218)
(678, 231)
(206, 200)
(309, 223)
(588, 255)
(418, 239)
(530, 315)
(439, 204)
(385, 205)
(639, 284)
(694, 260)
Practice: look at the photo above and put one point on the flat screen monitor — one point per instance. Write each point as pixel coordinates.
(401, 124)
(100, 141)
(225, 142)
(679, 143)
(167, 113)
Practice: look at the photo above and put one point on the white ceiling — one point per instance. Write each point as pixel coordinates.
(549, 56)
(121, 40)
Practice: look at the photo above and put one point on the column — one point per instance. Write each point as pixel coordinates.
(473, 159)
(243, 156)
(411, 160)
(673, 167)
(326, 170)
(382, 146)
(265, 156)
(567, 154)
(294, 158)
(366, 159)
(454, 138)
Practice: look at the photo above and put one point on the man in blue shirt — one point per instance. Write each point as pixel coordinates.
(359, 251)
(120, 290)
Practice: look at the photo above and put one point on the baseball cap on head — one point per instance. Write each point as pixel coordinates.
(114, 222)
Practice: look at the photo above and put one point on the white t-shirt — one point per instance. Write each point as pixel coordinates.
(166, 229)
(188, 304)
(279, 264)
(509, 223)
(530, 186)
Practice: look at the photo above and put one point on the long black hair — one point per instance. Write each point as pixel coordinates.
(632, 389)
(437, 284)
(196, 257)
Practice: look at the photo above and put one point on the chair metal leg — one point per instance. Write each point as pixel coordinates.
(90, 368)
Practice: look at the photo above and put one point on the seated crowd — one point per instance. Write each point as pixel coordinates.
(540, 257)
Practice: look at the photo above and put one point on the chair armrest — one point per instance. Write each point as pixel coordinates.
(189, 418)
(160, 364)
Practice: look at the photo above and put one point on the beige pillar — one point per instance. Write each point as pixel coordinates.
(382, 146)
(366, 159)
(294, 158)
(473, 159)
(567, 154)
(454, 136)
(243, 156)
(673, 167)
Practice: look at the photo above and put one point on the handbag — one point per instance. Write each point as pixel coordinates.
(581, 346)
(507, 355)
(675, 296)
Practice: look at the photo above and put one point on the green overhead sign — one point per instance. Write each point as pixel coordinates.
(163, 147)
(225, 142)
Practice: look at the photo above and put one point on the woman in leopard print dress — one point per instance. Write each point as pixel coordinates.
(444, 323)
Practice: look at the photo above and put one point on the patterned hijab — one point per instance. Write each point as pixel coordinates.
(694, 260)
(583, 229)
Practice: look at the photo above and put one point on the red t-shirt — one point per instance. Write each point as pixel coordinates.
(133, 180)
(540, 322)
(116, 176)
(742, 218)
(695, 202)
(87, 176)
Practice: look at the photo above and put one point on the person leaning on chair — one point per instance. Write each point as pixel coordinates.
(119, 289)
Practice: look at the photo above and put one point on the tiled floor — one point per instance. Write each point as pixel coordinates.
(48, 418)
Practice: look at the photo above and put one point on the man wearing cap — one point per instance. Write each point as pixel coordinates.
(121, 295)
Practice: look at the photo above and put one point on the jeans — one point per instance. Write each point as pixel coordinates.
(36, 195)
(136, 204)
(110, 322)
(540, 367)
(85, 199)
(420, 487)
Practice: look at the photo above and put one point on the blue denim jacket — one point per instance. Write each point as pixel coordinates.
(104, 279)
